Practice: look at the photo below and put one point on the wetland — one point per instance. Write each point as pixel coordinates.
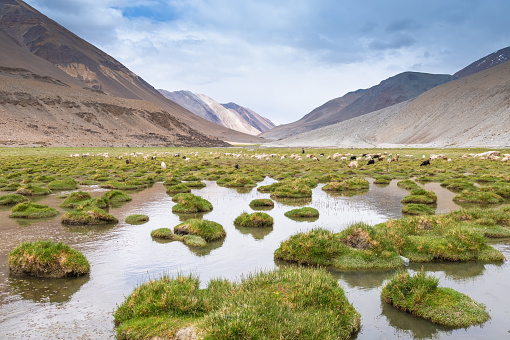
(124, 255)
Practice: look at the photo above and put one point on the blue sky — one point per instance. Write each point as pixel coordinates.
(284, 58)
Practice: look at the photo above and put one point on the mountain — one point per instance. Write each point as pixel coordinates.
(230, 115)
(467, 112)
(396, 89)
(484, 63)
(35, 43)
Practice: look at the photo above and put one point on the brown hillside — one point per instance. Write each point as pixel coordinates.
(36, 43)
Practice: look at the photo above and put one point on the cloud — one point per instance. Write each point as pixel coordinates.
(284, 58)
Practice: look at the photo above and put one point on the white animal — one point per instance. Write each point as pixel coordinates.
(163, 165)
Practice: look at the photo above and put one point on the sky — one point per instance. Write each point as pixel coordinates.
(283, 58)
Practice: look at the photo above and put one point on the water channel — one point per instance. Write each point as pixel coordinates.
(123, 256)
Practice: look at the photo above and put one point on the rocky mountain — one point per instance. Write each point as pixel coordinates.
(396, 89)
(486, 62)
(40, 46)
(467, 112)
(229, 115)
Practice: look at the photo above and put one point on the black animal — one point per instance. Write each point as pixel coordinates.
(177, 155)
(128, 161)
(303, 151)
(363, 155)
(236, 166)
(183, 157)
(371, 162)
(153, 158)
(353, 158)
(321, 154)
(427, 162)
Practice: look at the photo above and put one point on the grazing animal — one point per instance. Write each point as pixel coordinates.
(321, 154)
(303, 151)
(153, 158)
(371, 162)
(353, 164)
(183, 157)
(177, 155)
(236, 166)
(427, 162)
(128, 161)
(353, 158)
(163, 165)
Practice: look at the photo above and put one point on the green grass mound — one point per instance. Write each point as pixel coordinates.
(74, 199)
(408, 184)
(479, 197)
(89, 215)
(292, 188)
(291, 303)
(420, 196)
(137, 219)
(196, 185)
(354, 184)
(417, 209)
(169, 181)
(32, 210)
(353, 249)
(254, 220)
(32, 190)
(98, 202)
(262, 203)
(305, 212)
(421, 296)
(127, 185)
(11, 199)
(189, 204)
(89, 182)
(236, 181)
(116, 196)
(63, 184)
(208, 230)
(164, 233)
(458, 184)
(499, 188)
(47, 259)
(382, 179)
(493, 223)
(177, 189)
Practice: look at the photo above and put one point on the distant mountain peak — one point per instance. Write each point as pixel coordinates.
(230, 115)
(491, 60)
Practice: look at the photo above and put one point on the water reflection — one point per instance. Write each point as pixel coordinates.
(363, 279)
(45, 289)
(258, 233)
(455, 270)
(294, 202)
(405, 323)
(89, 229)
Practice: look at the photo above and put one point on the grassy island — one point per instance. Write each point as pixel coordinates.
(32, 210)
(254, 220)
(47, 259)
(189, 203)
(421, 296)
(291, 303)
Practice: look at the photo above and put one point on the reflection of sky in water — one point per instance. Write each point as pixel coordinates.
(124, 255)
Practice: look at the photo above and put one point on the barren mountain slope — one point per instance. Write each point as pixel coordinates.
(396, 89)
(471, 111)
(486, 62)
(254, 119)
(43, 47)
(40, 110)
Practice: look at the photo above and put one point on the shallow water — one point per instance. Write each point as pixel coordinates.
(123, 256)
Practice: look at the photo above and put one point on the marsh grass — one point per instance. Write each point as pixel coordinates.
(290, 303)
(354, 184)
(305, 212)
(254, 220)
(63, 184)
(408, 184)
(74, 199)
(33, 190)
(177, 189)
(89, 215)
(47, 259)
(137, 219)
(189, 203)
(421, 296)
(208, 230)
(262, 203)
(479, 197)
(420, 196)
(116, 196)
(11, 199)
(32, 210)
(417, 209)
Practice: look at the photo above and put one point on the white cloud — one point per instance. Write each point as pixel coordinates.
(284, 58)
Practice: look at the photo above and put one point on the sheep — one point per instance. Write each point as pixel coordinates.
(128, 161)
(236, 166)
(395, 158)
(353, 164)
(449, 160)
(427, 162)
(371, 161)
(163, 165)
(353, 158)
